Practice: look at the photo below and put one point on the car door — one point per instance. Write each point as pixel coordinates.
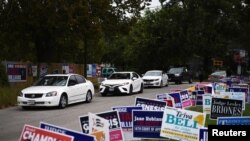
(82, 87)
(164, 78)
(136, 82)
(73, 89)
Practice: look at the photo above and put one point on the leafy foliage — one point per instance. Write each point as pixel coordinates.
(113, 31)
(3, 76)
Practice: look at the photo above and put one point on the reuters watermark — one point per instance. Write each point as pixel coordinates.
(228, 131)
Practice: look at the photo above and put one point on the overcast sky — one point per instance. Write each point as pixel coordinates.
(155, 3)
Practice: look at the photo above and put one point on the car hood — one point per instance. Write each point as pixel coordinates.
(120, 81)
(151, 77)
(41, 89)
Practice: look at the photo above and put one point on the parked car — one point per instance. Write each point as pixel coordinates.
(155, 78)
(179, 74)
(57, 90)
(122, 82)
(217, 75)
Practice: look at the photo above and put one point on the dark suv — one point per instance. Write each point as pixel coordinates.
(179, 74)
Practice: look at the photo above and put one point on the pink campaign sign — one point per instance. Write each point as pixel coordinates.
(185, 99)
(115, 135)
(187, 103)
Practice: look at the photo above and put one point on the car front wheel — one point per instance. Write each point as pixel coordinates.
(63, 101)
(88, 97)
(130, 90)
(141, 89)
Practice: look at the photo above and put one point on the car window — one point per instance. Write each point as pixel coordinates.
(135, 75)
(153, 73)
(219, 73)
(104, 70)
(120, 76)
(175, 70)
(110, 70)
(72, 80)
(52, 81)
(80, 79)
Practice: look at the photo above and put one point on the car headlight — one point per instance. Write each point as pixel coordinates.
(54, 93)
(20, 94)
(126, 83)
(177, 74)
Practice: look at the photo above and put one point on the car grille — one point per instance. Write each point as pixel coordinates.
(171, 75)
(148, 80)
(35, 95)
(113, 85)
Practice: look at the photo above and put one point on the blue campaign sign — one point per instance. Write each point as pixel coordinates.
(203, 134)
(147, 124)
(150, 104)
(199, 97)
(77, 135)
(125, 114)
(233, 121)
(177, 99)
(237, 89)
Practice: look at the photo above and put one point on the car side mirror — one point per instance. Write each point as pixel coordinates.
(134, 78)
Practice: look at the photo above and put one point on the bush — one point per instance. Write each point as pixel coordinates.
(3, 76)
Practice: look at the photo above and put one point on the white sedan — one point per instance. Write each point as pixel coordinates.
(122, 82)
(155, 78)
(57, 90)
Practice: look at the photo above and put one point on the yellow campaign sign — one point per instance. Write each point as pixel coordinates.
(179, 135)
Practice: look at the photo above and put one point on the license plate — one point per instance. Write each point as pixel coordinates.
(111, 89)
(31, 102)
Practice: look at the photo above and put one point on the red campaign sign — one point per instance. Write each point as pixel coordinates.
(31, 133)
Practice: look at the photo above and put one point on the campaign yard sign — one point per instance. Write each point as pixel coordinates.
(203, 134)
(181, 124)
(238, 89)
(16, 72)
(125, 114)
(207, 99)
(99, 127)
(205, 86)
(185, 99)
(232, 95)
(115, 131)
(31, 133)
(199, 97)
(165, 97)
(220, 87)
(149, 104)
(233, 120)
(78, 136)
(225, 108)
(147, 124)
(177, 99)
(193, 97)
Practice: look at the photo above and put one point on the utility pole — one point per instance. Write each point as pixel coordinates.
(85, 55)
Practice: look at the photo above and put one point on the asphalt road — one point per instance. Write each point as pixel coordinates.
(13, 119)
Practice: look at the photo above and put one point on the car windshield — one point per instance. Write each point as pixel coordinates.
(219, 73)
(52, 81)
(120, 76)
(175, 70)
(153, 73)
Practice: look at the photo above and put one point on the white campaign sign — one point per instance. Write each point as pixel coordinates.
(182, 124)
